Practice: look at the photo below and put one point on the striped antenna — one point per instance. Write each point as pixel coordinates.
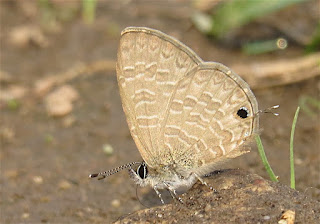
(107, 173)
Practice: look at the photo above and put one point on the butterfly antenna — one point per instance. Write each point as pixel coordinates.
(269, 110)
(105, 174)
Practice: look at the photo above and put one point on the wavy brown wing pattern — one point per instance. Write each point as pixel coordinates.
(180, 109)
(150, 64)
(202, 126)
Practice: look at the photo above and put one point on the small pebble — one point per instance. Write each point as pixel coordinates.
(37, 179)
(59, 102)
(88, 209)
(288, 217)
(107, 149)
(64, 185)
(266, 217)
(115, 203)
(25, 215)
(298, 161)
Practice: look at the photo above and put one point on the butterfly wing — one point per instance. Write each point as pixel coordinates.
(149, 67)
(211, 115)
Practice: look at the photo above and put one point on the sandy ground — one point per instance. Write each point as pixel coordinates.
(45, 160)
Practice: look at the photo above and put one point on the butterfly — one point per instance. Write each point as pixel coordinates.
(185, 115)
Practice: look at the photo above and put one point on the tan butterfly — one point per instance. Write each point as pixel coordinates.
(185, 115)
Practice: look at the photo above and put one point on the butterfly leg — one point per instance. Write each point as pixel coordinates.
(133, 174)
(200, 179)
(155, 188)
(203, 182)
(173, 192)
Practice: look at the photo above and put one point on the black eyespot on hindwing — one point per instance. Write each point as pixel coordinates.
(243, 112)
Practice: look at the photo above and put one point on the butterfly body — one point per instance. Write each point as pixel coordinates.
(164, 177)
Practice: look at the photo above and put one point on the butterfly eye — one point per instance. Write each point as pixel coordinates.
(243, 112)
(142, 171)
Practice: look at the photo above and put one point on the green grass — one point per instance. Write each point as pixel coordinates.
(309, 105)
(264, 159)
(314, 44)
(13, 104)
(229, 16)
(53, 13)
(292, 173)
(236, 13)
(88, 10)
(262, 47)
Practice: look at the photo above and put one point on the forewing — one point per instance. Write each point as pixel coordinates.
(202, 126)
(149, 66)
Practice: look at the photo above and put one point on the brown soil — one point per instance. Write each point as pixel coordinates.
(238, 197)
(45, 161)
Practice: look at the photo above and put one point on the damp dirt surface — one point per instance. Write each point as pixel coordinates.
(46, 159)
(238, 197)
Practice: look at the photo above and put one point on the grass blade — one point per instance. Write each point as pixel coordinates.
(264, 159)
(309, 105)
(292, 174)
(88, 10)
